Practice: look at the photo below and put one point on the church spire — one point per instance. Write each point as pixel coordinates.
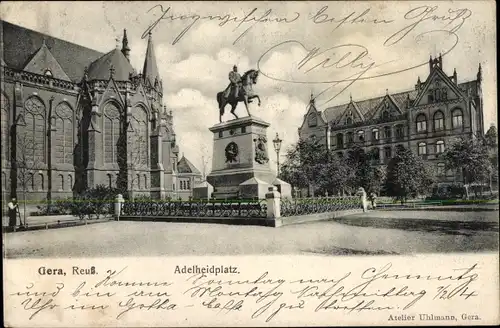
(150, 70)
(125, 47)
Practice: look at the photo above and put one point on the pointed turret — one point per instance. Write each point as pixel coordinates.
(125, 47)
(455, 78)
(479, 73)
(150, 70)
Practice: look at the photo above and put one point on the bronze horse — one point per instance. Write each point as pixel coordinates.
(245, 94)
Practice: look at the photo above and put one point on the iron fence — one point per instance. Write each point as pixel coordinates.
(194, 208)
(304, 206)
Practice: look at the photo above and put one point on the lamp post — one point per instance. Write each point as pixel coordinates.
(277, 146)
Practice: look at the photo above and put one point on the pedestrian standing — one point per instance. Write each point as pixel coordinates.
(13, 212)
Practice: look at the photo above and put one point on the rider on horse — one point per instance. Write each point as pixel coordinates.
(235, 83)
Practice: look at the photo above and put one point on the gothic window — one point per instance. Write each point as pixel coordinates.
(64, 134)
(48, 73)
(340, 140)
(399, 132)
(444, 94)
(40, 182)
(61, 182)
(438, 121)
(110, 180)
(189, 184)
(375, 135)
(111, 132)
(385, 114)
(421, 123)
(422, 148)
(440, 147)
(70, 182)
(375, 154)
(145, 181)
(140, 147)
(361, 136)
(29, 181)
(387, 154)
(4, 181)
(312, 120)
(138, 177)
(350, 138)
(430, 97)
(441, 169)
(457, 118)
(387, 132)
(348, 120)
(5, 126)
(32, 143)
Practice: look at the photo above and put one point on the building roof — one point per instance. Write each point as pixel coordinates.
(150, 70)
(185, 166)
(368, 106)
(100, 69)
(42, 61)
(20, 44)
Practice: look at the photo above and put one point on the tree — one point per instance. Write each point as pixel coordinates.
(471, 157)
(367, 172)
(491, 141)
(304, 163)
(407, 175)
(27, 162)
(336, 175)
(205, 160)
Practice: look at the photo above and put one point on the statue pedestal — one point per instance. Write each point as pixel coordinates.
(240, 161)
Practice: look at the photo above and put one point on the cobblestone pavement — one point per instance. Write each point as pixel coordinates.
(376, 232)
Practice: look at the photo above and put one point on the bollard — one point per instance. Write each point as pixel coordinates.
(273, 199)
(118, 206)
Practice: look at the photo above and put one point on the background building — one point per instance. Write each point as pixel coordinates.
(426, 119)
(73, 117)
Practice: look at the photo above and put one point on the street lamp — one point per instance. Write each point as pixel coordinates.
(277, 146)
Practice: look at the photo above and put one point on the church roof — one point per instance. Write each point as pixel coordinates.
(100, 69)
(21, 44)
(150, 70)
(42, 61)
(185, 166)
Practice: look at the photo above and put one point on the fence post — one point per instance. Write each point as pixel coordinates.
(273, 199)
(362, 194)
(118, 206)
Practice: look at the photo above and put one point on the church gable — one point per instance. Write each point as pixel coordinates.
(112, 92)
(140, 97)
(44, 63)
(438, 88)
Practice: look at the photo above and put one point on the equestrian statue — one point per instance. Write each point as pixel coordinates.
(239, 89)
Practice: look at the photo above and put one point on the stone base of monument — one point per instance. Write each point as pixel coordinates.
(253, 188)
(240, 162)
(203, 191)
(284, 188)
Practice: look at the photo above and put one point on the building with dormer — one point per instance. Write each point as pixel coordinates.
(425, 119)
(73, 117)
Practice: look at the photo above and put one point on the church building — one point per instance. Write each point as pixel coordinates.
(425, 119)
(73, 118)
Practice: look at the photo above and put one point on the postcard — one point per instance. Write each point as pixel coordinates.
(249, 163)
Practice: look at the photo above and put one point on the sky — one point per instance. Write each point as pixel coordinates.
(333, 50)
